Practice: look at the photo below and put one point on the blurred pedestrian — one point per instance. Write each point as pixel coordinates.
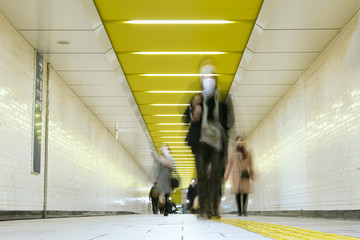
(240, 166)
(191, 194)
(154, 197)
(167, 164)
(162, 203)
(208, 137)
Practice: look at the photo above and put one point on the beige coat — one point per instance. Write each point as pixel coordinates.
(235, 165)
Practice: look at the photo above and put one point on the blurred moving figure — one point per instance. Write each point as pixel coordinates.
(167, 164)
(154, 197)
(210, 120)
(240, 166)
(162, 203)
(191, 194)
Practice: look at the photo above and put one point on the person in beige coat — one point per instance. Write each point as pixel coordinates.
(240, 166)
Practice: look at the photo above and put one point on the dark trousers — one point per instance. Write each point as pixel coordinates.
(209, 182)
(241, 202)
(155, 205)
(167, 209)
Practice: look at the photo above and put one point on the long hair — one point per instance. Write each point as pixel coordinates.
(242, 149)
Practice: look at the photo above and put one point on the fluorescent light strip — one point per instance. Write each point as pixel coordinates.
(179, 21)
(179, 53)
(181, 151)
(171, 131)
(182, 155)
(177, 75)
(168, 115)
(174, 142)
(184, 158)
(173, 91)
(183, 167)
(168, 105)
(177, 147)
(182, 137)
(182, 124)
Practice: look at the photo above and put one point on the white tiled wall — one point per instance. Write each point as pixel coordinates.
(88, 170)
(19, 189)
(307, 150)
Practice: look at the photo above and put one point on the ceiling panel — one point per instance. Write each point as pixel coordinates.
(179, 83)
(117, 117)
(180, 64)
(263, 90)
(284, 61)
(124, 125)
(251, 109)
(255, 101)
(98, 91)
(267, 77)
(106, 101)
(186, 9)
(129, 38)
(84, 62)
(111, 110)
(300, 40)
(90, 77)
(75, 41)
(148, 109)
(51, 14)
(306, 14)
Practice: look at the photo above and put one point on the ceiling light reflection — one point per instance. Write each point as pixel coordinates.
(179, 21)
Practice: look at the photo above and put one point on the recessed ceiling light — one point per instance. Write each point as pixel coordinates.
(63, 42)
(179, 21)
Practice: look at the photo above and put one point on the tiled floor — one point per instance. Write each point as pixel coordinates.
(179, 227)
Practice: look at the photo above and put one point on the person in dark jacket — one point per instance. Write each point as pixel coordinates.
(191, 194)
(154, 197)
(208, 138)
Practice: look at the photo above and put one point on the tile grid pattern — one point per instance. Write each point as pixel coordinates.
(88, 169)
(306, 149)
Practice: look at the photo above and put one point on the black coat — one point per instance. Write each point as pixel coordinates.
(193, 136)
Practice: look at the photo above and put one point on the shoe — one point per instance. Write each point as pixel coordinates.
(245, 214)
(239, 214)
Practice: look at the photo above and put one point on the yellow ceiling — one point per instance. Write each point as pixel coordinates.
(128, 39)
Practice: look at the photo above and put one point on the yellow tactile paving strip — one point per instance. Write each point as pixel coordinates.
(276, 231)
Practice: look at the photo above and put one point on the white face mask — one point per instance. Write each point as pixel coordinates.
(208, 86)
(165, 150)
(192, 181)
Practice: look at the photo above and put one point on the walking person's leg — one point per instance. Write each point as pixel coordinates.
(238, 202)
(203, 182)
(245, 196)
(215, 181)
